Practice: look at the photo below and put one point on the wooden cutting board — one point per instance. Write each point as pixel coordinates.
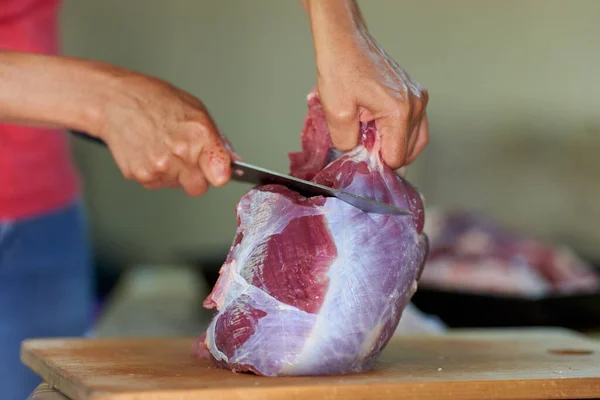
(530, 364)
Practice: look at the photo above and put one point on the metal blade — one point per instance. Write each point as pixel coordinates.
(244, 172)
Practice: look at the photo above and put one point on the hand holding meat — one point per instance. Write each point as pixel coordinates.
(359, 82)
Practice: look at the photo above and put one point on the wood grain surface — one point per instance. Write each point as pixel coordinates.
(515, 364)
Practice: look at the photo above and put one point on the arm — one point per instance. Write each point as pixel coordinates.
(338, 15)
(51, 91)
(358, 81)
(158, 135)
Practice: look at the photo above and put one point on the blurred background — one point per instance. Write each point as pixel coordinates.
(514, 129)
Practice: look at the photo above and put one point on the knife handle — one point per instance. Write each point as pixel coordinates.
(87, 137)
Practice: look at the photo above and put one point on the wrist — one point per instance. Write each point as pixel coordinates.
(90, 96)
(102, 89)
(70, 93)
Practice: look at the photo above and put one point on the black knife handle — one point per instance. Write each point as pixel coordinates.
(87, 137)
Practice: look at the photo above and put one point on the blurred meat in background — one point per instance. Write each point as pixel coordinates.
(473, 253)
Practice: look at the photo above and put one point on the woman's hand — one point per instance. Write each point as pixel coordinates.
(161, 136)
(358, 81)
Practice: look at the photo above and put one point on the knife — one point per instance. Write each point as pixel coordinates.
(244, 172)
(248, 173)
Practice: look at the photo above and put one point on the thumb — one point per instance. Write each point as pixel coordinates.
(343, 123)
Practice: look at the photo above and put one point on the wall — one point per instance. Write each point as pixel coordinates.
(514, 106)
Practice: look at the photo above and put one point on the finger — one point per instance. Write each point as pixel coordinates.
(215, 161)
(343, 124)
(418, 110)
(422, 140)
(425, 98)
(420, 135)
(187, 149)
(394, 132)
(193, 182)
(189, 142)
(419, 106)
(152, 185)
(170, 177)
(161, 166)
(143, 176)
(412, 141)
(393, 116)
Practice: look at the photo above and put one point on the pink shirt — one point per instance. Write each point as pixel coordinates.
(37, 174)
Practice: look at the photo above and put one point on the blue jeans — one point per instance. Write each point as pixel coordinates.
(45, 288)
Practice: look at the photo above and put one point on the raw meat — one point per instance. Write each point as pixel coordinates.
(313, 285)
(471, 252)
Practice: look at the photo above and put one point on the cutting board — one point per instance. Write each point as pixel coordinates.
(529, 364)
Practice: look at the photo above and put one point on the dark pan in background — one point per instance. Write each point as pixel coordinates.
(579, 312)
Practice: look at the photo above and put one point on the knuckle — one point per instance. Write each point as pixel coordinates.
(127, 174)
(142, 175)
(401, 114)
(161, 164)
(341, 113)
(181, 149)
(202, 128)
(398, 108)
(400, 103)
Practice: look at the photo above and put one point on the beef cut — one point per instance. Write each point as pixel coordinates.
(314, 285)
(473, 253)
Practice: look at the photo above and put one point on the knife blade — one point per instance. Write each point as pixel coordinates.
(244, 172)
(248, 173)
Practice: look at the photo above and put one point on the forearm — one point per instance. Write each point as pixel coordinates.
(335, 27)
(53, 91)
(347, 11)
